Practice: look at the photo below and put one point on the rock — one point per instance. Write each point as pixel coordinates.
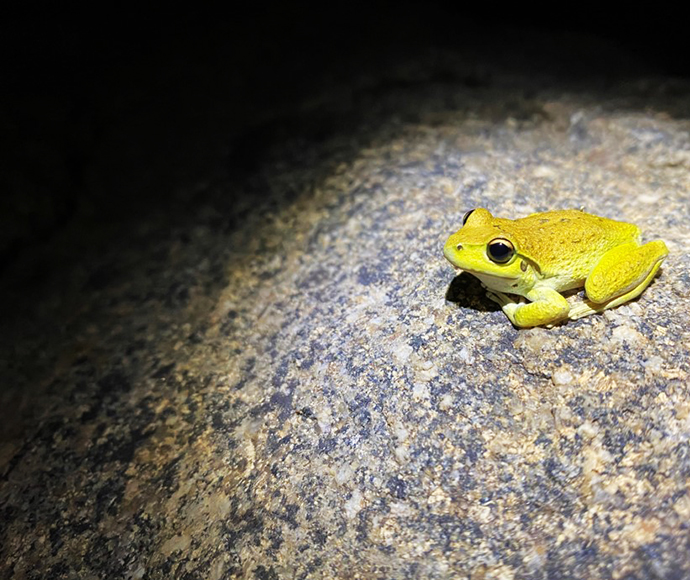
(268, 382)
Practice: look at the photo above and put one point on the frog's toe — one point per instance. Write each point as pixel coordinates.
(581, 310)
(499, 297)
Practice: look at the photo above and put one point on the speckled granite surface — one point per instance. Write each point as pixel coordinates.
(299, 388)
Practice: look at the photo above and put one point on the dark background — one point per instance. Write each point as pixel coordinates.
(111, 116)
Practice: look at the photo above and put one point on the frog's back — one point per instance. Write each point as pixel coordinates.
(569, 222)
(569, 239)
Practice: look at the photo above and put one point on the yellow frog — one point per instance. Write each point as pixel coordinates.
(544, 254)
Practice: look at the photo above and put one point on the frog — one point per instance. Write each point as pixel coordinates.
(527, 264)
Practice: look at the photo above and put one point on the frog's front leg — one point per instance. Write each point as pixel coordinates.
(546, 307)
(621, 275)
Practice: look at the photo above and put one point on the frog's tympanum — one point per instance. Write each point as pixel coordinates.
(539, 256)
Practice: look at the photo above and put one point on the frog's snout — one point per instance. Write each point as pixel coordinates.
(450, 251)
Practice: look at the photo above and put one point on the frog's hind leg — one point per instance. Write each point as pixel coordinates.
(621, 275)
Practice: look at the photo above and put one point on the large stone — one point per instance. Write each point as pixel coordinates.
(283, 378)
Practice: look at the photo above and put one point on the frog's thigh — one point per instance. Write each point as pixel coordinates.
(546, 307)
(623, 273)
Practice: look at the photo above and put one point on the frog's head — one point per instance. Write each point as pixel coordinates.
(483, 247)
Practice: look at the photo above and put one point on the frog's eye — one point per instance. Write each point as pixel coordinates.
(466, 216)
(500, 250)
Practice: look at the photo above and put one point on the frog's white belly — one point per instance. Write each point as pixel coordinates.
(526, 283)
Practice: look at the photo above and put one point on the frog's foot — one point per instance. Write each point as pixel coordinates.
(503, 299)
(584, 308)
(547, 307)
(507, 303)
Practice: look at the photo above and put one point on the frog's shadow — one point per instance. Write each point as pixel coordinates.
(466, 291)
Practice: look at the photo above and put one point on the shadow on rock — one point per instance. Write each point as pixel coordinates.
(466, 291)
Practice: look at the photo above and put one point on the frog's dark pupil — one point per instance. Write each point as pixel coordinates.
(501, 251)
(467, 215)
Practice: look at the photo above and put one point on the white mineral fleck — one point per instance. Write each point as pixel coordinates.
(465, 356)
(562, 377)
(354, 504)
(446, 402)
(420, 392)
(403, 352)
(654, 364)
(627, 334)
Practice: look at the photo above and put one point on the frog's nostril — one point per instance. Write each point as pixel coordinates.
(458, 247)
